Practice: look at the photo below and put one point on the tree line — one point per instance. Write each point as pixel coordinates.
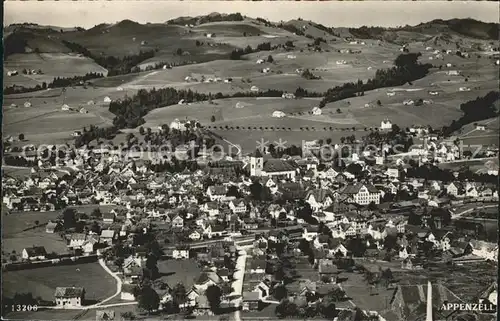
(58, 82)
(407, 69)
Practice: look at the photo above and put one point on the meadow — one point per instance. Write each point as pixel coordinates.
(42, 282)
(52, 65)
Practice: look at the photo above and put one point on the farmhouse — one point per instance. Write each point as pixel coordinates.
(119, 88)
(69, 297)
(34, 253)
(464, 89)
(12, 73)
(278, 114)
(316, 111)
(385, 125)
(52, 227)
(480, 127)
(408, 102)
(453, 73)
(288, 96)
(260, 61)
(254, 89)
(239, 105)
(27, 104)
(107, 99)
(433, 93)
(391, 93)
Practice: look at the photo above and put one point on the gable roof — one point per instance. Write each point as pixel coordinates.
(36, 251)
(69, 292)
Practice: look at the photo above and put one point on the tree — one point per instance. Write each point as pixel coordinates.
(379, 103)
(339, 111)
(270, 59)
(212, 119)
(128, 315)
(21, 137)
(179, 294)
(96, 213)
(280, 292)
(141, 130)
(148, 299)
(286, 308)
(214, 294)
(69, 218)
(328, 309)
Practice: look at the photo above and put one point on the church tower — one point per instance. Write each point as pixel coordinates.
(256, 163)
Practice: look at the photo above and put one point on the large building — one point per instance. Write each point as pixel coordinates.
(361, 194)
(271, 167)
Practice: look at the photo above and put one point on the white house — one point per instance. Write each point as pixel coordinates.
(316, 111)
(408, 102)
(288, 96)
(107, 99)
(278, 114)
(386, 125)
(254, 89)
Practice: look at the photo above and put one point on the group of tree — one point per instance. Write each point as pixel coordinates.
(475, 110)
(213, 17)
(114, 65)
(74, 81)
(307, 74)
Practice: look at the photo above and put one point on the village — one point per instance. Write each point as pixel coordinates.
(266, 236)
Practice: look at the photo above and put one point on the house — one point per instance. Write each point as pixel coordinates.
(105, 315)
(69, 297)
(177, 222)
(278, 114)
(108, 217)
(52, 227)
(128, 292)
(217, 192)
(316, 111)
(251, 301)
(288, 96)
(480, 127)
(108, 236)
(181, 252)
(385, 125)
(89, 246)
(238, 206)
(34, 253)
(254, 89)
(328, 272)
(319, 199)
(76, 240)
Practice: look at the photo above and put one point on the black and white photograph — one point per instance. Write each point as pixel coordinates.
(250, 160)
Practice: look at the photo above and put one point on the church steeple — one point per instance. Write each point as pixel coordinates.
(256, 163)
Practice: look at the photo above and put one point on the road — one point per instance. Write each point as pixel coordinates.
(237, 285)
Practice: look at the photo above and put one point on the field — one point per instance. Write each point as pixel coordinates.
(45, 122)
(52, 65)
(15, 239)
(183, 271)
(43, 281)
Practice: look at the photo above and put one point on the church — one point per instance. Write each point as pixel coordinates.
(271, 167)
